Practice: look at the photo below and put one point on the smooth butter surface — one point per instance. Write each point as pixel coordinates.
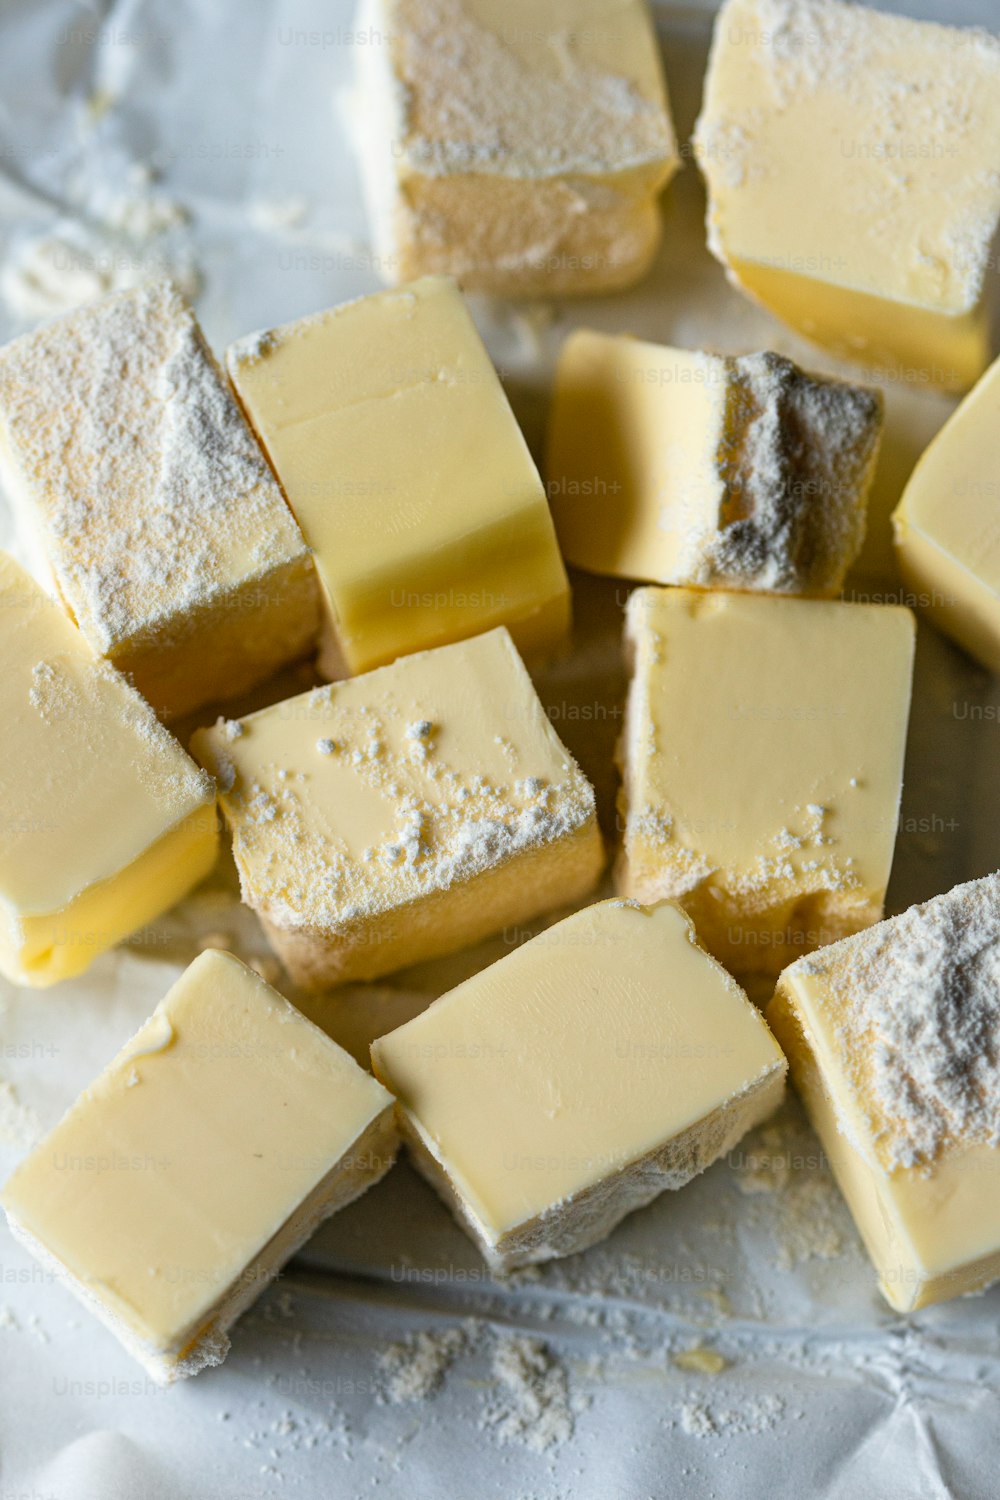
(900, 122)
(191, 1150)
(565, 1062)
(763, 756)
(947, 525)
(396, 447)
(634, 427)
(106, 820)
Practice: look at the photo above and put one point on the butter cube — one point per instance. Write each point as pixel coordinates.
(136, 478)
(851, 162)
(762, 765)
(390, 432)
(404, 814)
(205, 1154)
(517, 144)
(681, 467)
(574, 1080)
(947, 525)
(106, 821)
(891, 1036)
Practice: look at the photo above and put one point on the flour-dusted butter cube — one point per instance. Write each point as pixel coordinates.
(577, 1078)
(893, 1037)
(762, 762)
(399, 454)
(675, 466)
(135, 476)
(947, 525)
(405, 813)
(105, 822)
(851, 160)
(205, 1154)
(519, 145)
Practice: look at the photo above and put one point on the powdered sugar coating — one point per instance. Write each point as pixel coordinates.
(915, 1003)
(920, 97)
(471, 103)
(125, 451)
(389, 816)
(797, 461)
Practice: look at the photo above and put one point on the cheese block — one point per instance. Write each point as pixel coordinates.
(674, 466)
(762, 760)
(851, 162)
(892, 1037)
(519, 145)
(106, 821)
(144, 496)
(405, 813)
(204, 1155)
(574, 1080)
(399, 454)
(947, 525)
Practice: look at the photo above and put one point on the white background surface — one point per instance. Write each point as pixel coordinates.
(825, 1392)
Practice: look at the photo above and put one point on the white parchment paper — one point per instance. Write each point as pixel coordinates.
(728, 1341)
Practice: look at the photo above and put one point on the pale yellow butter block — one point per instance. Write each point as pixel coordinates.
(399, 454)
(204, 1155)
(852, 166)
(519, 145)
(675, 466)
(762, 760)
(137, 481)
(947, 525)
(403, 814)
(106, 822)
(891, 1037)
(574, 1080)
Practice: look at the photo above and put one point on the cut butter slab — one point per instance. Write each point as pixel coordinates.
(107, 822)
(762, 760)
(405, 813)
(204, 1155)
(851, 161)
(519, 145)
(144, 495)
(397, 449)
(574, 1080)
(947, 525)
(893, 1037)
(675, 466)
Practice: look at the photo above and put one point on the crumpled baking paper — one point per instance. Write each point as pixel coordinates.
(726, 1341)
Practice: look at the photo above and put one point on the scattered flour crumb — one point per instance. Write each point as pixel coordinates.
(757, 1414)
(809, 1229)
(782, 1161)
(531, 1403)
(19, 1124)
(414, 1368)
(66, 266)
